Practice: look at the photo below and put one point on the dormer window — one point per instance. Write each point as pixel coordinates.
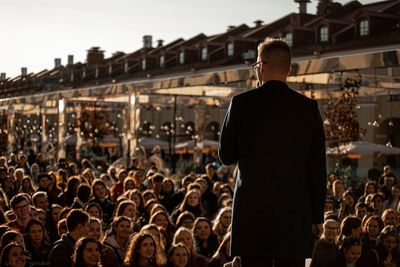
(204, 53)
(182, 57)
(231, 49)
(162, 61)
(364, 27)
(143, 64)
(323, 34)
(289, 39)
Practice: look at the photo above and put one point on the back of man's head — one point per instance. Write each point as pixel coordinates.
(76, 217)
(276, 53)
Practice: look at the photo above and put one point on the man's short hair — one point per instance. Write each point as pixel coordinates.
(83, 192)
(276, 52)
(76, 217)
(18, 199)
(38, 195)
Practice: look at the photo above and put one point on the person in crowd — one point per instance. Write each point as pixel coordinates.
(107, 179)
(185, 219)
(40, 201)
(346, 205)
(160, 239)
(208, 199)
(178, 256)
(142, 252)
(386, 252)
(177, 198)
(7, 184)
(389, 217)
(372, 228)
(83, 196)
(350, 227)
(117, 189)
(325, 251)
(206, 241)
(46, 181)
(129, 184)
(394, 199)
(27, 186)
(370, 187)
(222, 222)
(52, 222)
(222, 254)
(100, 194)
(35, 170)
(361, 210)
(119, 236)
(191, 203)
(22, 210)
(136, 197)
(167, 191)
(162, 220)
(62, 227)
(386, 188)
(41, 216)
(349, 253)
(36, 244)
(78, 226)
(87, 253)
(94, 210)
(67, 198)
(127, 208)
(12, 236)
(13, 255)
(377, 203)
(185, 236)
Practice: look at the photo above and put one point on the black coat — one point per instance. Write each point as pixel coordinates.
(276, 136)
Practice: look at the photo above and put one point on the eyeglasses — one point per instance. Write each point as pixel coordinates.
(257, 64)
(21, 207)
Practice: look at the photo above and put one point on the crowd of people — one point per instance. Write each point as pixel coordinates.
(69, 214)
(57, 213)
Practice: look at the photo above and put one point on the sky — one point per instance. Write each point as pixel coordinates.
(33, 33)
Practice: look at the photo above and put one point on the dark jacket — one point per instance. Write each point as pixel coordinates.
(276, 136)
(39, 257)
(60, 255)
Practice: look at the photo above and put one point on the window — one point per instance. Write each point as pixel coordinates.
(231, 49)
(182, 57)
(162, 61)
(289, 39)
(143, 64)
(364, 27)
(110, 69)
(324, 34)
(126, 67)
(204, 52)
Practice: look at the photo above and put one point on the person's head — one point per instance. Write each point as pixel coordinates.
(329, 205)
(121, 175)
(127, 208)
(95, 229)
(361, 210)
(202, 228)
(87, 252)
(185, 219)
(129, 184)
(350, 249)
(224, 217)
(338, 188)
(84, 193)
(373, 226)
(388, 181)
(94, 210)
(377, 202)
(148, 195)
(12, 236)
(44, 180)
(41, 216)
(192, 199)
(121, 227)
(388, 239)
(20, 206)
(36, 232)
(351, 226)
(188, 179)
(99, 189)
(136, 197)
(13, 255)
(389, 217)
(161, 219)
(26, 184)
(185, 236)
(330, 230)
(19, 174)
(72, 185)
(168, 186)
(211, 170)
(370, 188)
(178, 255)
(62, 227)
(141, 249)
(395, 191)
(273, 61)
(157, 182)
(40, 200)
(78, 222)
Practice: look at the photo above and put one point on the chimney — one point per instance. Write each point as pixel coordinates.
(94, 56)
(70, 59)
(24, 71)
(231, 27)
(258, 23)
(2, 76)
(147, 41)
(302, 6)
(160, 43)
(57, 63)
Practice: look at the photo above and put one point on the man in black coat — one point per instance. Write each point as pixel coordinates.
(277, 138)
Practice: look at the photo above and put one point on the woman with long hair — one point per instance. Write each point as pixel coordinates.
(206, 240)
(13, 255)
(350, 227)
(221, 256)
(178, 256)
(372, 228)
(142, 252)
(36, 243)
(87, 253)
(191, 203)
(162, 220)
(94, 210)
(119, 236)
(349, 253)
(27, 186)
(100, 194)
(222, 222)
(185, 236)
(67, 198)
